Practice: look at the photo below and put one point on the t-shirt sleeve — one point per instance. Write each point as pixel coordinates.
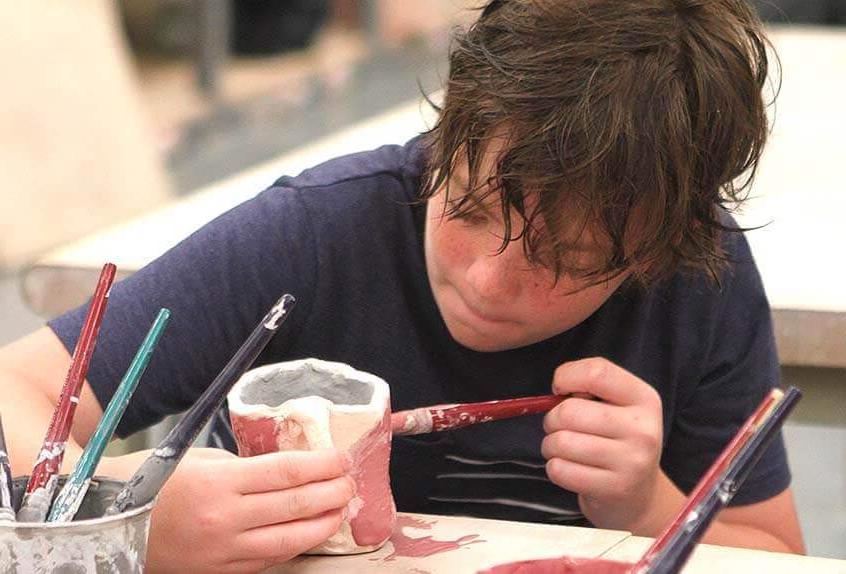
(218, 283)
(740, 369)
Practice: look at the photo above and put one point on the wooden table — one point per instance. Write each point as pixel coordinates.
(800, 193)
(500, 542)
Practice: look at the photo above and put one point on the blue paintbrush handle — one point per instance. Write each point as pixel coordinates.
(70, 497)
(154, 472)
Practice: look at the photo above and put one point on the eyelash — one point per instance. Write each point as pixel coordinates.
(468, 217)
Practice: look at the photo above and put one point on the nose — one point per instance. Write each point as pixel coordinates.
(496, 277)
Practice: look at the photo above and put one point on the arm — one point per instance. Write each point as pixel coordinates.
(608, 452)
(768, 525)
(32, 372)
(264, 509)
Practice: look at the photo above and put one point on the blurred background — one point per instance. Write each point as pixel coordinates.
(111, 111)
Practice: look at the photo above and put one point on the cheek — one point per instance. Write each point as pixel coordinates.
(565, 305)
(448, 247)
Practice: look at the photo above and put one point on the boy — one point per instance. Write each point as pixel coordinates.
(562, 225)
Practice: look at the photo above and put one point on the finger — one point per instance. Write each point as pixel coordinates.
(306, 501)
(281, 470)
(578, 478)
(602, 379)
(589, 417)
(590, 450)
(281, 542)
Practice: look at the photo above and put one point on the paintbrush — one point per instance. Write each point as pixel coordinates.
(447, 417)
(7, 510)
(154, 472)
(673, 547)
(70, 497)
(43, 480)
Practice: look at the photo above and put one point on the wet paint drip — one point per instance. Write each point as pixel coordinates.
(409, 547)
(375, 516)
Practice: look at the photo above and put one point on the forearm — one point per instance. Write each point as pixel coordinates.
(668, 500)
(26, 415)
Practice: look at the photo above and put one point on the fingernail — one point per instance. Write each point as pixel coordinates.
(346, 461)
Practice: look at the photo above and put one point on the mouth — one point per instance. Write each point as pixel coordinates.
(474, 314)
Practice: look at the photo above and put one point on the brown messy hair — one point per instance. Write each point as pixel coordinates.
(641, 120)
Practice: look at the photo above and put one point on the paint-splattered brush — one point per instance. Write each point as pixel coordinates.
(670, 551)
(154, 472)
(42, 482)
(7, 511)
(70, 497)
(673, 547)
(447, 417)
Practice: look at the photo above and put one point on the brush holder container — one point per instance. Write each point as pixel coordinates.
(90, 544)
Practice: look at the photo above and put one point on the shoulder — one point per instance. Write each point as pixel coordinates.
(372, 191)
(389, 166)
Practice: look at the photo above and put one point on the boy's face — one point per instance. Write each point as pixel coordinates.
(494, 302)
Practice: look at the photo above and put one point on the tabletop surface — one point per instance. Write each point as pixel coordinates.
(471, 544)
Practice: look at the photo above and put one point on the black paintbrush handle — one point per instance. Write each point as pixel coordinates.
(7, 511)
(678, 550)
(154, 472)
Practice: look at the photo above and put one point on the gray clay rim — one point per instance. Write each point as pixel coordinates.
(92, 524)
(273, 388)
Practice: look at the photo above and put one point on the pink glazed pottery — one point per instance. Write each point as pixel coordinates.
(313, 404)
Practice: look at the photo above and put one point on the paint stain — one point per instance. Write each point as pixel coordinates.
(409, 547)
(563, 565)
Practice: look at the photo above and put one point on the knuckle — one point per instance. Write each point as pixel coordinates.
(297, 504)
(597, 368)
(287, 471)
(349, 489)
(209, 522)
(286, 548)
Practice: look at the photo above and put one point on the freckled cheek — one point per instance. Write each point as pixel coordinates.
(451, 252)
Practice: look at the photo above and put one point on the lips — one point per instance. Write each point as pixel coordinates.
(477, 315)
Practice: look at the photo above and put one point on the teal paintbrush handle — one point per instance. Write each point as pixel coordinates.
(68, 500)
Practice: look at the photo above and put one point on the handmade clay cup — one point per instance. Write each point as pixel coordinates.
(313, 404)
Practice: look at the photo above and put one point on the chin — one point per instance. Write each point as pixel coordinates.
(480, 342)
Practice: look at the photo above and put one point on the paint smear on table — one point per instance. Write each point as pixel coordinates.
(563, 565)
(410, 547)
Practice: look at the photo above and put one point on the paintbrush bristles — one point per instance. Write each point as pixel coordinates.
(7, 511)
(70, 497)
(42, 482)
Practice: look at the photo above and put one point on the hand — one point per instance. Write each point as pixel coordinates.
(606, 451)
(222, 513)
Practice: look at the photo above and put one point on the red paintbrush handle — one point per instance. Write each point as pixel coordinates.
(447, 417)
(52, 451)
(711, 476)
(471, 413)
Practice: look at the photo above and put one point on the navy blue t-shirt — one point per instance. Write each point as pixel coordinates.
(346, 239)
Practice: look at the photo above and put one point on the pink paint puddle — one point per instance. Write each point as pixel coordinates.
(409, 547)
